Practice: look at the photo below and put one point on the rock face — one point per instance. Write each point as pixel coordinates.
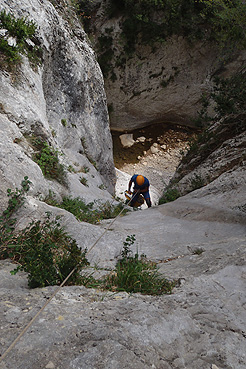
(201, 325)
(224, 152)
(61, 101)
(198, 240)
(163, 83)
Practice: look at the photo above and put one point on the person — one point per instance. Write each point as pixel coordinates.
(141, 186)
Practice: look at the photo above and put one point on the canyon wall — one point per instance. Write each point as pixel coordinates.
(61, 101)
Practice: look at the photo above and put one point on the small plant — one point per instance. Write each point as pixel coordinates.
(126, 251)
(197, 182)
(71, 169)
(83, 142)
(170, 195)
(51, 199)
(47, 158)
(85, 212)
(84, 169)
(93, 162)
(82, 211)
(46, 252)
(64, 122)
(102, 187)
(136, 274)
(7, 222)
(22, 33)
(53, 132)
(43, 249)
(84, 181)
(108, 211)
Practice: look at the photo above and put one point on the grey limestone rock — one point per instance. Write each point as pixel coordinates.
(62, 101)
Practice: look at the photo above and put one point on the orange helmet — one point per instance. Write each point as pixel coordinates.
(140, 180)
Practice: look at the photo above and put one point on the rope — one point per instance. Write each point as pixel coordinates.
(110, 224)
(58, 289)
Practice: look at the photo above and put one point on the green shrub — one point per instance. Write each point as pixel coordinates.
(84, 181)
(228, 100)
(71, 169)
(48, 160)
(136, 274)
(84, 169)
(108, 211)
(226, 19)
(229, 94)
(7, 222)
(170, 195)
(64, 122)
(43, 249)
(21, 30)
(102, 187)
(197, 182)
(82, 211)
(86, 212)
(153, 21)
(227, 97)
(46, 252)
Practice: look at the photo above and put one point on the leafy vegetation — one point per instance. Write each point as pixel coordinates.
(227, 97)
(87, 212)
(42, 249)
(169, 195)
(136, 274)
(153, 21)
(84, 169)
(48, 254)
(48, 160)
(84, 181)
(228, 100)
(16, 200)
(18, 39)
(222, 20)
(197, 182)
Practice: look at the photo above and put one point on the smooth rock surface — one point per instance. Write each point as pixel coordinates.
(202, 324)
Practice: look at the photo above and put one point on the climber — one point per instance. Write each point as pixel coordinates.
(141, 186)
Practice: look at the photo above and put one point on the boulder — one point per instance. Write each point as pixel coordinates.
(127, 140)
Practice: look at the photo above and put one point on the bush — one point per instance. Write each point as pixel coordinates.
(21, 30)
(229, 94)
(48, 160)
(136, 274)
(228, 100)
(153, 21)
(46, 252)
(43, 249)
(82, 211)
(7, 222)
(86, 212)
(227, 97)
(197, 182)
(170, 195)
